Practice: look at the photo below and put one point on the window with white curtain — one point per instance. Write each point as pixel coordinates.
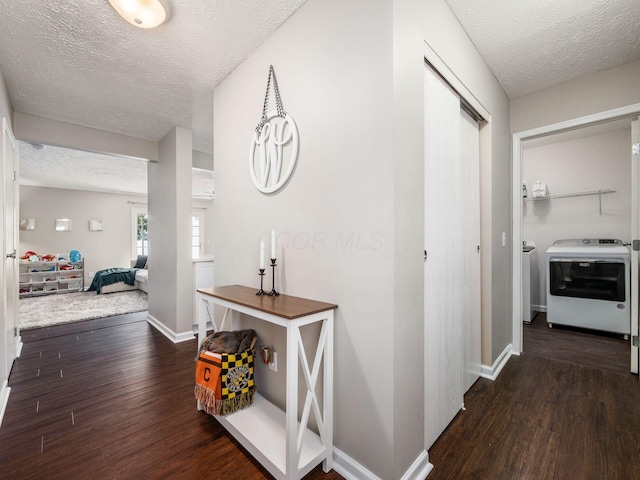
(139, 232)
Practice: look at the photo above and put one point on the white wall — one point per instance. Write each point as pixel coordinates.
(601, 91)
(595, 162)
(356, 95)
(334, 218)
(30, 128)
(169, 181)
(108, 248)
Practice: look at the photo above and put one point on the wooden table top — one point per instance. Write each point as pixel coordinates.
(285, 306)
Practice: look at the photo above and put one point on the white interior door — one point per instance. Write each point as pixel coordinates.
(452, 266)
(469, 158)
(635, 235)
(10, 245)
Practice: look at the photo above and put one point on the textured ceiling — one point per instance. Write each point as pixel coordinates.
(531, 45)
(56, 167)
(78, 61)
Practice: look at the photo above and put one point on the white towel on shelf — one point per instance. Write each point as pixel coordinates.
(540, 189)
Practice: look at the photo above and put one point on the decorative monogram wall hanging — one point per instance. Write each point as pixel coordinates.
(276, 143)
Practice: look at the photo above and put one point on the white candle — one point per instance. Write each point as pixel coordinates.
(261, 254)
(273, 244)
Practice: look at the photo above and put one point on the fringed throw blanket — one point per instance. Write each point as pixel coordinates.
(109, 276)
(224, 381)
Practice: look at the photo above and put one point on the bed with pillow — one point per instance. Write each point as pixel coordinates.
(113, 280)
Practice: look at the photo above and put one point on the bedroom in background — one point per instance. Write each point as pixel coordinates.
(115, 244)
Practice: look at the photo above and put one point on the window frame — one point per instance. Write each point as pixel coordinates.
(135, 212)
(200, 215)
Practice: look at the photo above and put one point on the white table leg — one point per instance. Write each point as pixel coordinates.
(327, 385)
(291, 422)
(202, 321)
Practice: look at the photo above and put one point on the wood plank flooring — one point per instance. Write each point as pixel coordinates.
(568, 408)
(113, 399)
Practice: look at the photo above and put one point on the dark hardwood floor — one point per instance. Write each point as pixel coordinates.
(567, 408)
(113, 399)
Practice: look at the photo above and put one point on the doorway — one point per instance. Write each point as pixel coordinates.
(518, 205)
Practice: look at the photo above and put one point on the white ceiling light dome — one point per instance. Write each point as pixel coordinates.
(141, 13)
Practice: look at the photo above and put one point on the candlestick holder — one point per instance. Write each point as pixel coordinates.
(261, 291)
(273, 292)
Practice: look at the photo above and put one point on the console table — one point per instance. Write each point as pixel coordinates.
(280, 441)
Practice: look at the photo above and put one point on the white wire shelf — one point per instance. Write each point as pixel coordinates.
(568, 195)
(591, 193)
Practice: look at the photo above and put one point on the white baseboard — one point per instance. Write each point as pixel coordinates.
(19, 346)
(167, 332)
(5, 390)
(420, 468)
(349, 468)
(352, 470)
(492, 372)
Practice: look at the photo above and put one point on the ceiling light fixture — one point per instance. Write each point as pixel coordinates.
(141, 13)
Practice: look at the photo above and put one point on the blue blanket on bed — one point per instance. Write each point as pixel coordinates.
(112, 275)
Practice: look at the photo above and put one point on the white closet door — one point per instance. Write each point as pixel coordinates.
(470, 234)
(443, 328)
(452, 268)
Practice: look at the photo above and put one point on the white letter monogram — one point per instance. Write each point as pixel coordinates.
(267, 170)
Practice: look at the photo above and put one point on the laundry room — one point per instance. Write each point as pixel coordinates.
(577, 195)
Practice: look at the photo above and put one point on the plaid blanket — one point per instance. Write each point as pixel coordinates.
(224, 381)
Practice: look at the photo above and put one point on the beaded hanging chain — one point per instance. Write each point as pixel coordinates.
(265, 107)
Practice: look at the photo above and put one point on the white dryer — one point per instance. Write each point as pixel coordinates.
(588, 284)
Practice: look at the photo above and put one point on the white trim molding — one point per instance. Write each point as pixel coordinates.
(167, 332)
(4, 398)
(349, 468)
(494, 370)
(443, 69)
(19, 346)
(419, 469)
(352, 470)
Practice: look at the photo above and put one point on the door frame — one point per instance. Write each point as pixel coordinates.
(16, 340)
(635, 234)
(516, 199)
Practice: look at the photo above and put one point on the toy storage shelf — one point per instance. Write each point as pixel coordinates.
(42, 278)
(280, 440)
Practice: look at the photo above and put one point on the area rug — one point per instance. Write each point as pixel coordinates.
(47, 310)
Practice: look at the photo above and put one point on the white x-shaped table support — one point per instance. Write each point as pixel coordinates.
(303, 450)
